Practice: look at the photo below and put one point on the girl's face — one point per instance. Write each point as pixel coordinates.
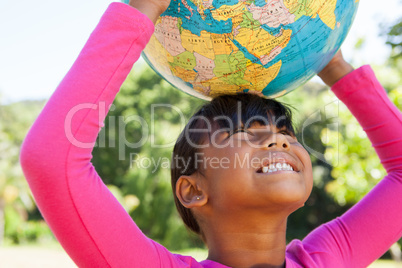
(252, 169)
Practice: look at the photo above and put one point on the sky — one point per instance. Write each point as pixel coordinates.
(39, 40)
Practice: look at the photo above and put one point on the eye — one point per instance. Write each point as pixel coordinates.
(241, 130)
(286, 132)
(289, 135)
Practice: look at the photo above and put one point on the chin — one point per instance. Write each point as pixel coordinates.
(291, 199)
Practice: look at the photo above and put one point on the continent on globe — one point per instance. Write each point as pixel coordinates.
(187, 6)
(325, 9)
(212, 47)
(204, 67)
(274, 14)
(202, 44)
(262, 44)
(168, 35)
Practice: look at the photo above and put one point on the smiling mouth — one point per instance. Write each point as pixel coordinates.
(275, 167)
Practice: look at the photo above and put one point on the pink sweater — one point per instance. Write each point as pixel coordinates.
(96, 231)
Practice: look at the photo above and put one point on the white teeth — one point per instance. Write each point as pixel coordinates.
(276, 167)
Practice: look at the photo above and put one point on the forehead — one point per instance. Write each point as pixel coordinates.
(243, 110)
(257, 121)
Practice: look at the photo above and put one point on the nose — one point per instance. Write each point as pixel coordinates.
(277, 140)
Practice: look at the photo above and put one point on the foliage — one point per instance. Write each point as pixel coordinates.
(394, 39)
(358, 169)
(15, 119)
(20, 231)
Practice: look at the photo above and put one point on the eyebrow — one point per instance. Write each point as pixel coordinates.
(292, 132)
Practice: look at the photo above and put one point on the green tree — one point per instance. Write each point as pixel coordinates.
(15, 197)
(394, 39)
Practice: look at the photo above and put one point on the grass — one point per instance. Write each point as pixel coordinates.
(197, 253)
(201, 254)
(385, 264)
(54, 256)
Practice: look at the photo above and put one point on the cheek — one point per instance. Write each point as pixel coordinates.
(308, 172)
(305, 159)
(309, 181)
(304, 156)
(229, 158)
(227, 173)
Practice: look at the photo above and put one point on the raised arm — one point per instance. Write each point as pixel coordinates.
(369, 228)
(84, 216)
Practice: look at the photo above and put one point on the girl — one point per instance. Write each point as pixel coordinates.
(239, 211)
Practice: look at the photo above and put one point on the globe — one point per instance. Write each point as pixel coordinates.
(269, 47)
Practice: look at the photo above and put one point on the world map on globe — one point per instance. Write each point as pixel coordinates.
(270, 47)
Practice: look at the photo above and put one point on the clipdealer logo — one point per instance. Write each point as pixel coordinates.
(327, 115)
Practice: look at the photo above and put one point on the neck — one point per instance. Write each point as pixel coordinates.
(248, 243)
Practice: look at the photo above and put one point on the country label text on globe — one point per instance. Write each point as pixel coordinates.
(213, 47)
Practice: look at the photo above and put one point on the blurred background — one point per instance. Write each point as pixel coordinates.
(41, 39)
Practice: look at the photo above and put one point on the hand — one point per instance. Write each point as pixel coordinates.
(152, 8)
(335, 70)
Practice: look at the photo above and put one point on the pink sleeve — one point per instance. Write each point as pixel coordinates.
(87, 220)
(368, 229)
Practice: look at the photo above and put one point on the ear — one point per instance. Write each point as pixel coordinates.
(190, 191)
